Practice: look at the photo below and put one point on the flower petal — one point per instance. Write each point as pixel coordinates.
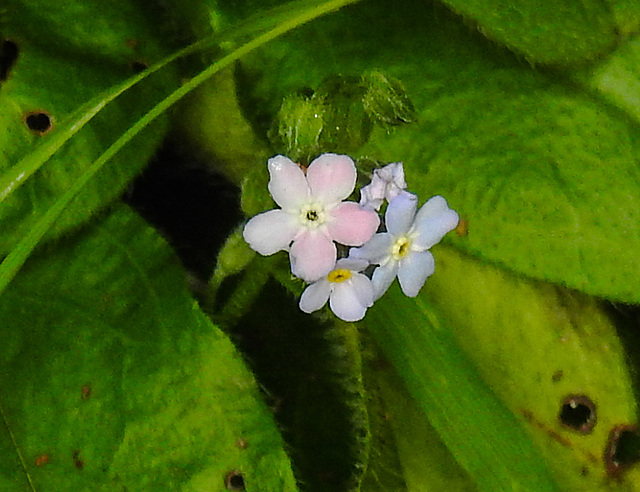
(433, 221)
(315, 296)
(331, 178)
(288, 185)
(375, 250)
(383, 277)
(400, 213)
(414, 270)
(346, 299)
(372, 195)
(352, 225)
(313, 255)
(352, 264)
(270, 231)
(363, 289)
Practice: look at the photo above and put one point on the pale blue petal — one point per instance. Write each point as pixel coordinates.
(400, 213)
(353, 264)
(363, 288)
(433, 221)
(375, 250)
(383, 277)
(345, 301)
(315, 296)
(414, 270)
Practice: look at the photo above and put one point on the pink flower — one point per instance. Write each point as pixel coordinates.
(312, 214)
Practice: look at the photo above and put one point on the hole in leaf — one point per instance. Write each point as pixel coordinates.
(234, 480)
(622, 450)
(8, 56)
(579, 413)
(38, 122)
(139, 66)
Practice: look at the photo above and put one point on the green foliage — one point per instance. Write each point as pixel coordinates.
(104, 369)
(537, 344)
(111, 378)
(557, 31)
(52, 75)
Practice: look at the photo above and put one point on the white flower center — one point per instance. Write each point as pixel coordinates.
(401, 247)
(339, 275)
(312, 215)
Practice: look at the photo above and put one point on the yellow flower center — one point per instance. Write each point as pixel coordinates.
(401, 247)
(339, 275)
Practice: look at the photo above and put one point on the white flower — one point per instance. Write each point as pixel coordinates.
(402, 251)
(312, 214)
(386, 184)
(349, 293)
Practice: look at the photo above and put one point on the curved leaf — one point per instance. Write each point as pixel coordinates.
(112, 379)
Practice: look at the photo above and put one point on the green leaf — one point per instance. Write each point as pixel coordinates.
(406, 451)
(301, 13)
(111, 371)
(546, 352)
(65, 57)
(554, 31)
(482, 434)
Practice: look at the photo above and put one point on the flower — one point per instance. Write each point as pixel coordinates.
(312, 214)
(402, 251)
(386, 183)
(349, 293)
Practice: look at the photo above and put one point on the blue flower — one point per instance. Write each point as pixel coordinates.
(403, 251)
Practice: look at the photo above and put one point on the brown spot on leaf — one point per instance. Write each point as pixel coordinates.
(85, 391)
(462, 229)
(528, 415)
(242, 443)
(43, 459)
(557, 376)
(78, 463)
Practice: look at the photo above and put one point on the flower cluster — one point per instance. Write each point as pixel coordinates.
(314, 216)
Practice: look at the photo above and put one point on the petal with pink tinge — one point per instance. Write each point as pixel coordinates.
(351, 224)
(312, 255)
(331, 178)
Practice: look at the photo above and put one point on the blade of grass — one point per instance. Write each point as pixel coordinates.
(13, 178)
(19, 254)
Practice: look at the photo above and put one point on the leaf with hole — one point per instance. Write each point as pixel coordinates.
(551, 354)
(47, 82)
(111, 371)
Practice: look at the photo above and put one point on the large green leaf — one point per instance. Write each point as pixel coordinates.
(552, 355)
(553, 31)
(112, 379)
(481, 433)
(65, 57)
